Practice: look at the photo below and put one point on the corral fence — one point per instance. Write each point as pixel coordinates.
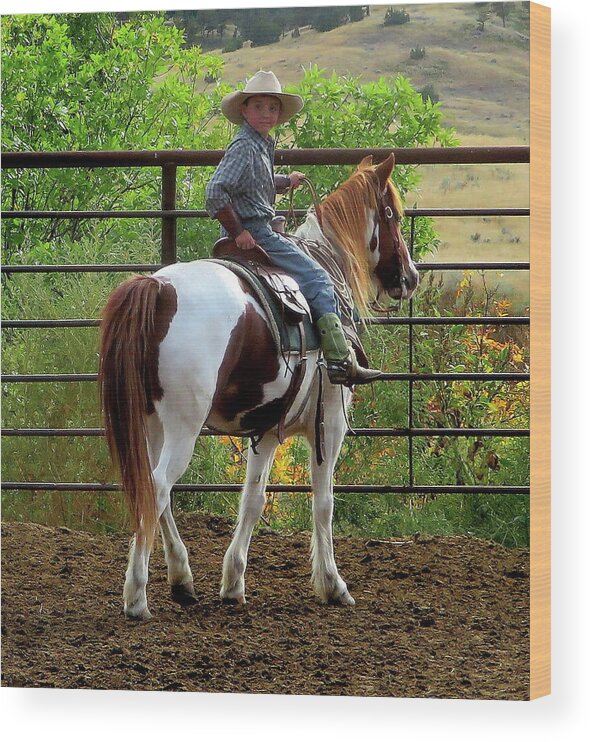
(168, 162)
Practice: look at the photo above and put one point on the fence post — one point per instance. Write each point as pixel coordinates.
(168, 249)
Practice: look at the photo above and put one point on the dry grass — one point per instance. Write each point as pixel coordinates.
(482, 79)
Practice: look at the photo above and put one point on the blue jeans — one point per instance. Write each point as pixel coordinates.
(313, 280)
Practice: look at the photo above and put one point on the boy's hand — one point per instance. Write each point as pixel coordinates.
(296, 178)
(245, 240)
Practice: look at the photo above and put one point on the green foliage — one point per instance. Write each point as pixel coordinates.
(396, 17)
(356, 13)
(341, 111)
(233, 44)
(260, 25)
(62, 350)
(329, 17)
(76, 82)
(501, 10)
(428, 93)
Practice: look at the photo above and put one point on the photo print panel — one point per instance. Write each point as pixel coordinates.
(303, 254)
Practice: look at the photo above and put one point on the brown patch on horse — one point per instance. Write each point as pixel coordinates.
(250, 362)
(166, 308)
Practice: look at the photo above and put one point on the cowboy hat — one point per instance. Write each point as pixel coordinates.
(263, 83)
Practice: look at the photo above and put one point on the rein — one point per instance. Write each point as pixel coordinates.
(315, 200)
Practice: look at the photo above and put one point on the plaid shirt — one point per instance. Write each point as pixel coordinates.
(245, 177)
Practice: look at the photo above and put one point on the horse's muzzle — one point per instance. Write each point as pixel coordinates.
(407, 285)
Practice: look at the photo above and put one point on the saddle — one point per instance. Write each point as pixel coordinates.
(287, 312)
(282, 286)
(286, 292)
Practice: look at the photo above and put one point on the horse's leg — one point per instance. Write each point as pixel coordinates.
(175, 552)
(251, 506)
(326, 580)
(178, 442)
(179, 573)
(136, 578)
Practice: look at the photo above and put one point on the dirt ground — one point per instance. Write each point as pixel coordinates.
(438, 617)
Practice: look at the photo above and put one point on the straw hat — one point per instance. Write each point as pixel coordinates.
(263, 83)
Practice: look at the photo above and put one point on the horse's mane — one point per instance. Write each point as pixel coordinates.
(344, 213)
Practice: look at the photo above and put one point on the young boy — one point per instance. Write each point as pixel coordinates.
(241, 196)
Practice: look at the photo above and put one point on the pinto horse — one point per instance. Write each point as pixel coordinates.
(190, 346)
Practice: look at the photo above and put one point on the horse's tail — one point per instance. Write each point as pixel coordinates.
(131, 329)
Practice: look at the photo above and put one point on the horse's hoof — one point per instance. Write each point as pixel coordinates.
(238, 599)
(143, 615)
(183, 594)
(343, 599)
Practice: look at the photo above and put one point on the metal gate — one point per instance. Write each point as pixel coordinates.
(168, 162)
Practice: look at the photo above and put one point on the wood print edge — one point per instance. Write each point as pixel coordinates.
(540, 293)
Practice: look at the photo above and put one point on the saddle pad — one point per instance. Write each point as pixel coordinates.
(286, 335)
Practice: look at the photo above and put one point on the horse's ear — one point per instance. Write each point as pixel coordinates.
(366, 163)
(385, 169)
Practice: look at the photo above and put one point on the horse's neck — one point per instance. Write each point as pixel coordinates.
(330, 256)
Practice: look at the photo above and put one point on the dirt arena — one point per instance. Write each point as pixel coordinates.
(438, 617)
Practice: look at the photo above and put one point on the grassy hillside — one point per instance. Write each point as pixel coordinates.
(481, 78)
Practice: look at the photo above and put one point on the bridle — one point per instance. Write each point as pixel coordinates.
(392, 220)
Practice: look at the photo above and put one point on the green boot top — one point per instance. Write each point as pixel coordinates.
(333, 341)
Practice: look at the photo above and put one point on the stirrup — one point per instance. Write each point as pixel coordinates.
(349, 373)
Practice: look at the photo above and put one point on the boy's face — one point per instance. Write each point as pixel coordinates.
(262, 112)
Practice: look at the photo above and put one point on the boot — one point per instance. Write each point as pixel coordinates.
(340, 357)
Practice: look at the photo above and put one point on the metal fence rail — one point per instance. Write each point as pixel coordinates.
(168, 161)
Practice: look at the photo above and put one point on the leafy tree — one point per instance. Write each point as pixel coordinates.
(328, 18)
(502, 10)
(483, 14)
(428, 92)
(260, 25)
(356, 13)
(75, 82)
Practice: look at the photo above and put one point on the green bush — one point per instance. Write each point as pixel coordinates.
(327, 18)
(232, 45)
(356, 13)
(396, 17)
(428, 93)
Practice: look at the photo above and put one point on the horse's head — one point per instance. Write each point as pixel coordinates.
(362, 218)
(393, 271)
